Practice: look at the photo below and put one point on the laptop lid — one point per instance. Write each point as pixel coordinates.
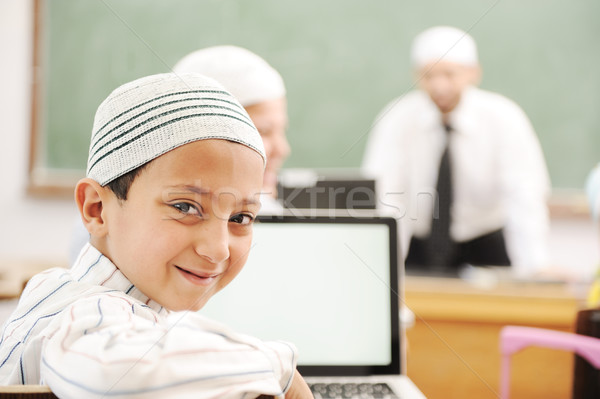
(328, 284)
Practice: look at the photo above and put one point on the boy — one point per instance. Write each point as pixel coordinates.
(173, 180)
(260, 90)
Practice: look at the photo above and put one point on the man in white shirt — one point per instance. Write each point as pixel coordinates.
(499, 183)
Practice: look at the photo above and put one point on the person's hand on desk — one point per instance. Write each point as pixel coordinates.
(298, 390)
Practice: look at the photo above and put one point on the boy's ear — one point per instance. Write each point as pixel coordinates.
(89, 197)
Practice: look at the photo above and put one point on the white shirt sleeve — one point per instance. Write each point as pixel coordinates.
(109, 346)
(385, 161)
(525, 188)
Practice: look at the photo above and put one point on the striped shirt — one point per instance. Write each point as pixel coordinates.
(87, 332)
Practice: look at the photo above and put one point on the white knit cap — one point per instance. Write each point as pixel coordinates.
(246, 75)
(443, 43)
(148, 117)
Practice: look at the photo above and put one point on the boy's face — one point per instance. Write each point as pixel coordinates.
(185, 230)
(445, 81)
(271, 121)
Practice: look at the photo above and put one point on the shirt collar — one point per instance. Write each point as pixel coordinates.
(94, 268)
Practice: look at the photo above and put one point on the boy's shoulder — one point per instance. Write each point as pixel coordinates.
(50, 292)
(57, 293)
(57, 300)
(57, 288)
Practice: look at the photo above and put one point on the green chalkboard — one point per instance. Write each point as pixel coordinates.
(342, 61)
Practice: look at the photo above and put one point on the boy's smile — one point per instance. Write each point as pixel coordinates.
(185, 230)
(200, 278)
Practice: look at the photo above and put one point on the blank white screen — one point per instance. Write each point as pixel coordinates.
(323, 287)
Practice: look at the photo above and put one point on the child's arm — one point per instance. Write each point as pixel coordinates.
(299, 389)
(108, 346)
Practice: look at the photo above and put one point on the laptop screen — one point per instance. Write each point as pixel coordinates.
(328, 285)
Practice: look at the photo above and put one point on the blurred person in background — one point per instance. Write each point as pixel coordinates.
(592, 189)
(261, 91)
(463, 164)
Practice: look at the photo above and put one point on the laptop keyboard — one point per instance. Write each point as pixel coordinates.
(351, 390)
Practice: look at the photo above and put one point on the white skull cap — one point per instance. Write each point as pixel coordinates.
(444, 43)
(143, 119)
(246, 75)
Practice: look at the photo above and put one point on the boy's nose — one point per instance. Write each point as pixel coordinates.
(212, 242)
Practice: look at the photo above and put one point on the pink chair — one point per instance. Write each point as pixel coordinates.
(514, 339)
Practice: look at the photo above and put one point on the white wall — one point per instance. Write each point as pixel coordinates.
(30, 229)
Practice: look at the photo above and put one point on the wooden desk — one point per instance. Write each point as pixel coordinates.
(26, 392)
(453, 347)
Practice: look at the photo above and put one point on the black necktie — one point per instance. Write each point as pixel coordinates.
(441, 247)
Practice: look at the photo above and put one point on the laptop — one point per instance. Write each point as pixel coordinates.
(330, 285)
(304, 188)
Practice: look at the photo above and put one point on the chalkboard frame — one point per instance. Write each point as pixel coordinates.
(43, 182)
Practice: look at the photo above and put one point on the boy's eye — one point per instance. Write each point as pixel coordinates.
(186, 208)
(242, 218)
